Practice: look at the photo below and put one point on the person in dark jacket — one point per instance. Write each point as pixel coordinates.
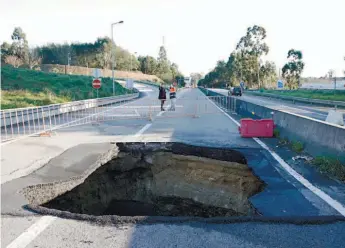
(162, 96)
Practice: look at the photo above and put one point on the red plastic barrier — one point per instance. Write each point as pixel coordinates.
(256, 128)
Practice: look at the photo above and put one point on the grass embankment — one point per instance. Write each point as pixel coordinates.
(338, 95)
(26, 88)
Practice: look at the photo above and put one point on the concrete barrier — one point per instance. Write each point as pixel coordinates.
(318, 137)
(335, 117)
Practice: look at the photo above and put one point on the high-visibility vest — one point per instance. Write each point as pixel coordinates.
(172, 92)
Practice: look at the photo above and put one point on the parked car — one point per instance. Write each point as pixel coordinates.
(235, 91)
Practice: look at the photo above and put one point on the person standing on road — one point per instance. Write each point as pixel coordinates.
(172, 92)
(162, 96)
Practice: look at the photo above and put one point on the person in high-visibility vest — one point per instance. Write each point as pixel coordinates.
(172, 92)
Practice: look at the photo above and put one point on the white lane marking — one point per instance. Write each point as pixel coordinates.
(32, 232)
(141, 131)
(35, 229)
(329, 200)
(136, 112)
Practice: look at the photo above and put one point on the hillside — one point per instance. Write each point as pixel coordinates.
(24, 88)
(78, 70)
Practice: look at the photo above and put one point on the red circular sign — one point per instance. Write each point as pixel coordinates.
(96, 83)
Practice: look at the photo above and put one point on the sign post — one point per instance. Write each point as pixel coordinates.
(96, 84)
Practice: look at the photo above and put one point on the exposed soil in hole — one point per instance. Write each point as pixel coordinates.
(171, 179)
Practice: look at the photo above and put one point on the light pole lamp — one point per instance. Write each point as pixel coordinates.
(113, 53)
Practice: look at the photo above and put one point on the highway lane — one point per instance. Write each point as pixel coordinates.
(312, 111)
(284, 196)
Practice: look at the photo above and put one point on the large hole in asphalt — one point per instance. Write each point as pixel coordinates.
(165, 179)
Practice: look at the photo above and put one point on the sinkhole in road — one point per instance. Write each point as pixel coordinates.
(165, 179)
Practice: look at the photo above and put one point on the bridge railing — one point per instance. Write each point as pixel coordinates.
(23, 122)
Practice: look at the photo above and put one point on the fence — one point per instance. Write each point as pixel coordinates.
(22, 122)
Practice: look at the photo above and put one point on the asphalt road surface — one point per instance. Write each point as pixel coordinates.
(196, 121)
(312, 111)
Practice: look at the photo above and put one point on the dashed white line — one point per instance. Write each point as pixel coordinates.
(329, 200)
(32, 232)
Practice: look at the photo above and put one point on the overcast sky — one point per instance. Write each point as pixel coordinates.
(197, 32)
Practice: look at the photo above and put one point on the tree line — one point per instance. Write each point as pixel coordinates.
(98, 54)
(245, 65)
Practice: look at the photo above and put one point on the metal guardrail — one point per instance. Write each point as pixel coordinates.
(300, 99)
(22, 122)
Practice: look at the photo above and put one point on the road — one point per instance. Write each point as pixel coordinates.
(312, 111)
(196, 121)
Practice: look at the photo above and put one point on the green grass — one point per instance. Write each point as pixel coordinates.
(338, 95)
(297, 146)
(24, 88)
(330, 166)
(276, 133)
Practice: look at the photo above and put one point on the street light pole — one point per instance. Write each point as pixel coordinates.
(113, 53)
(131, 61)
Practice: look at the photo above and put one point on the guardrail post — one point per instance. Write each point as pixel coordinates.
(33, 119)
(11, 122)
(28, 118)
(54, 117)
(23, 121)
(50, 119)
(44, 124)
(5, 124)
(17, 121)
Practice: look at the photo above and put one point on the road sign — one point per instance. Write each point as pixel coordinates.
(97, 73)
(280, 84)
(96, 83)
(129, 83)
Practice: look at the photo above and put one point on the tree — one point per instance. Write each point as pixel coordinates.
(163, 67)
(196, 77)
(293, 69)
(148, 64)
(253, 42)
(104, 54)
(20, 47)
(5, 51)
(268, 73)
(13, 60)
(34, 58)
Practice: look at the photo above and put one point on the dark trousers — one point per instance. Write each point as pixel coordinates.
(162, 103)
